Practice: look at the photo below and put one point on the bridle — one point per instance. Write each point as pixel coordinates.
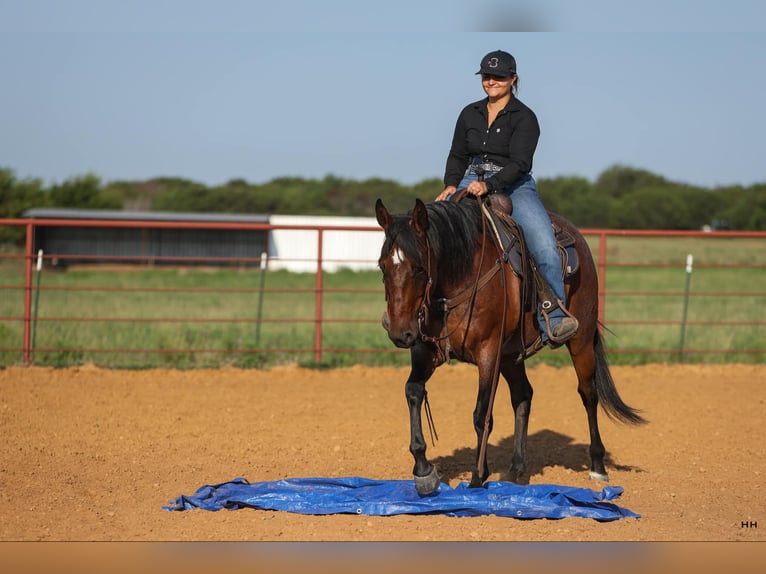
(447, 304)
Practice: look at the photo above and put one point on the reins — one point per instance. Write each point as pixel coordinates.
(496, 374)
(448, 304)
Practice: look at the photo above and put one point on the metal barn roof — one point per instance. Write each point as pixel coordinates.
(61, 213)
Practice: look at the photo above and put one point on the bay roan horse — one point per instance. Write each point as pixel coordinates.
(445, 299)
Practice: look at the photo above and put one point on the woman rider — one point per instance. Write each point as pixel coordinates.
(498, 135)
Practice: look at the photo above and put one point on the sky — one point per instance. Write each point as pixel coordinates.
(212, 91)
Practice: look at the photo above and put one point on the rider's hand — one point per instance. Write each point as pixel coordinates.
(477, 188)
(448, 191)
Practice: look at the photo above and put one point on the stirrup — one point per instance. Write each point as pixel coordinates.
(556, 341)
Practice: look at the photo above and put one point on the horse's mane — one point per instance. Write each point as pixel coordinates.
(454, 230)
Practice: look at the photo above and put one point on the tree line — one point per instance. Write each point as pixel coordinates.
(620, 198)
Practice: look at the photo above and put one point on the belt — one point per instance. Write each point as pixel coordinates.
(478, 163)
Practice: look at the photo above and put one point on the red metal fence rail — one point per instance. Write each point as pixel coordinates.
(25, 346)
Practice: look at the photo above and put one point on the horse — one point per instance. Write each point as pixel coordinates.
(447, 297)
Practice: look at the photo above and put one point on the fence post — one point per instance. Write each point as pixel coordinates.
(264, 261)
(689, 261)
(28, 259)
(36, 305)
(318, 301)
(601, 280)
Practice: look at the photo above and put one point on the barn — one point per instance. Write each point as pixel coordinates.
(153, 243)
(290, 242)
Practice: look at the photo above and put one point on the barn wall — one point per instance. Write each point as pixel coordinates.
(296, 250)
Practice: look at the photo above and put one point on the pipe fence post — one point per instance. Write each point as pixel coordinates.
(36, 303)
(689, 262)
(318, 301)
(601, 281)
(264, 260)
(28, 260)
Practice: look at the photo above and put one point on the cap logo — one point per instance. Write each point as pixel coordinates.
(493, 62)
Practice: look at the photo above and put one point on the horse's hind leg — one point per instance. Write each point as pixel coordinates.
(585, 366)
(521, 399)
(423, 365)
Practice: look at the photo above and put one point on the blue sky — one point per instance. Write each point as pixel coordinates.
(213, 91)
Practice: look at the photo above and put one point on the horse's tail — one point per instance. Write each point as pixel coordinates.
(607, 393)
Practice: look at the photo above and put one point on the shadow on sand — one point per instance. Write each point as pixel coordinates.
(545, 448)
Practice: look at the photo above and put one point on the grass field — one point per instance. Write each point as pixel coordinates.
(82, 312)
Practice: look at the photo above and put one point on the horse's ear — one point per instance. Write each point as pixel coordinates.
(420, 217)
(381, 213)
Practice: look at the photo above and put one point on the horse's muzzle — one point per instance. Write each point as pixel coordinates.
(404, 339)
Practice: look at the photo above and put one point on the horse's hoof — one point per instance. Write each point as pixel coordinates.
(426, 485)
(476, 480)
(515, 473)
(603, 477)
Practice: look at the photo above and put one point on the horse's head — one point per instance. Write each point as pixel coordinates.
(404, 263)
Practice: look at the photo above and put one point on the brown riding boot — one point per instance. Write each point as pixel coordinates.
(564, 331)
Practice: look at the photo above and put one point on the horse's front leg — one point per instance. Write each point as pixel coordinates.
(423, 365)
(521, 400)
(486, 374)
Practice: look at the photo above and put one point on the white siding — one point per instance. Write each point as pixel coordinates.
(296, 250)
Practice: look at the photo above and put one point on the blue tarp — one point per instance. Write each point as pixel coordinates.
(355, 495)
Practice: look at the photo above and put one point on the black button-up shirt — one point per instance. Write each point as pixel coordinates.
(509, 142)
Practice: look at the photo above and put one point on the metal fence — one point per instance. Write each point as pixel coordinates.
(734, 293)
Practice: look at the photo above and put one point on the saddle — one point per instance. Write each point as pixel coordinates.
(511, 243)
(498, 210)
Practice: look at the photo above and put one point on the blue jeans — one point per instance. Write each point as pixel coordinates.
(530, 214)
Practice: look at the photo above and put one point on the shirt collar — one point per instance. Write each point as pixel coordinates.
(513, 105)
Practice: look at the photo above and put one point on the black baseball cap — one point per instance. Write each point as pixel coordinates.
(498, 63)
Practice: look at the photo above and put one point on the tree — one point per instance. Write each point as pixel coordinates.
(15, 198)
(177, 194)
(619, 180)
(620, 197)
(577, 200)
(655, 208)
(744, 208)
(83, 192)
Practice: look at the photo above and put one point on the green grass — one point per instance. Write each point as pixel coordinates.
(716, 311)
(228, 300)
